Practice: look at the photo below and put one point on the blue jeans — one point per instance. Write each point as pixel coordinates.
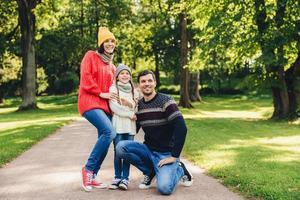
(146, 160)
(106, 134)
(121, 166)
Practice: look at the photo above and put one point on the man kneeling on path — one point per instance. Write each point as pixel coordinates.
(165, 132)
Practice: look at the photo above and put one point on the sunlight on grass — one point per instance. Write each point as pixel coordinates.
(20, 130)
(289, 145)
(24, 123)
(237, 107)
(233, 140)
(227, 114)
(7, 110)
(20, 141)
(219, 158)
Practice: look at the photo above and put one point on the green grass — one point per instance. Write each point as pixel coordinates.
(231, 138)
(20, 130)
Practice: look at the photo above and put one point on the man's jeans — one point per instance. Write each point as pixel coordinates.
(145, 160)
(121, 166)
(106, 134)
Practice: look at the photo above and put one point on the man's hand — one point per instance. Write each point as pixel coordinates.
(166, 161)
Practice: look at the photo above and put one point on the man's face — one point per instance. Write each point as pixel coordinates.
(147, 84)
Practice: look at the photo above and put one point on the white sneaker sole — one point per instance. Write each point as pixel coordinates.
(123, 187)
(144, 187)
(100, 187)
(87, 188)
(187, 183)
(113, 187)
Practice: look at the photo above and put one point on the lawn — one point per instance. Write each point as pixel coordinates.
(231, 138)
(20, 130)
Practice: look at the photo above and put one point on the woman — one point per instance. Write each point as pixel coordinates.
(97, 75)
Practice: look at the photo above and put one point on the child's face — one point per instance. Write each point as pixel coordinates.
(124, 76)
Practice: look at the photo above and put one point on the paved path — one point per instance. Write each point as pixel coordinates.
(51, 170)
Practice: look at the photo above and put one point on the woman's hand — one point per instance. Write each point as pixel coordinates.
(110, 96)
(133, 118)
(124, 102)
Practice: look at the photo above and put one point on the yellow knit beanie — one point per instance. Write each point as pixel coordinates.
(104, 34)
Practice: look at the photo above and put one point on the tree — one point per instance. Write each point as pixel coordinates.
(273, 55)
(266, 35)
(194, 87)
(27, 24)
(184, 72)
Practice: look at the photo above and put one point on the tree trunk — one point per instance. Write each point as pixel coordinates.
(27, 24)
(280, 94)
(157, 75)
(280, 98)
(81, 18)
(275, 69)
(1, 94)
(279, 71)
(293, 85)
(184, 73)
(194, 87)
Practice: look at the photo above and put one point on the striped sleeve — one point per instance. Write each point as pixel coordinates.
(171, 110)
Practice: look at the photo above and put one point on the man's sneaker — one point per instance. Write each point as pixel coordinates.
(87, 177)
(187, 178)
(146, 182)
(124, 184)
(98, 185)
(115, 184)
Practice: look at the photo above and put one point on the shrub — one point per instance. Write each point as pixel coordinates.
(171, 89)
(67, 83)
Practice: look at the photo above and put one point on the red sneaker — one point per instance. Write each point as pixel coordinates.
(87, 177)
(98, 185)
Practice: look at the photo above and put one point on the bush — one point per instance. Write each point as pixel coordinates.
(207, 90)
(223, 91)
(67, 83)
(42, 81)
(172, 89)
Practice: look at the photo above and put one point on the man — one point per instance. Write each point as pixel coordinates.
(165, 132)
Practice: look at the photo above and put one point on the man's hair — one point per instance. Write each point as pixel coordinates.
(144, 73)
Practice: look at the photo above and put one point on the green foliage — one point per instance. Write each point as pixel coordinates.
(42, 81)
(222, 35)
(10, 75)
(68, 82)
(58, 53)
(228, 35)
(170, 89)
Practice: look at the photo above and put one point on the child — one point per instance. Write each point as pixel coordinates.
(123, 120)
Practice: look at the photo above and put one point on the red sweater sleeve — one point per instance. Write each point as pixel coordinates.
(87, 82)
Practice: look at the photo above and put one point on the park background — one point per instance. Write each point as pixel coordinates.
(232, 66)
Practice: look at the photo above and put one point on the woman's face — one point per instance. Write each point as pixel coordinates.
(109, 46)
(124, 76)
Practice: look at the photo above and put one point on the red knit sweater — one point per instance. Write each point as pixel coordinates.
(96, 77)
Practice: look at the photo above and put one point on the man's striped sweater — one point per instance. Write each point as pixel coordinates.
(163, 124)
